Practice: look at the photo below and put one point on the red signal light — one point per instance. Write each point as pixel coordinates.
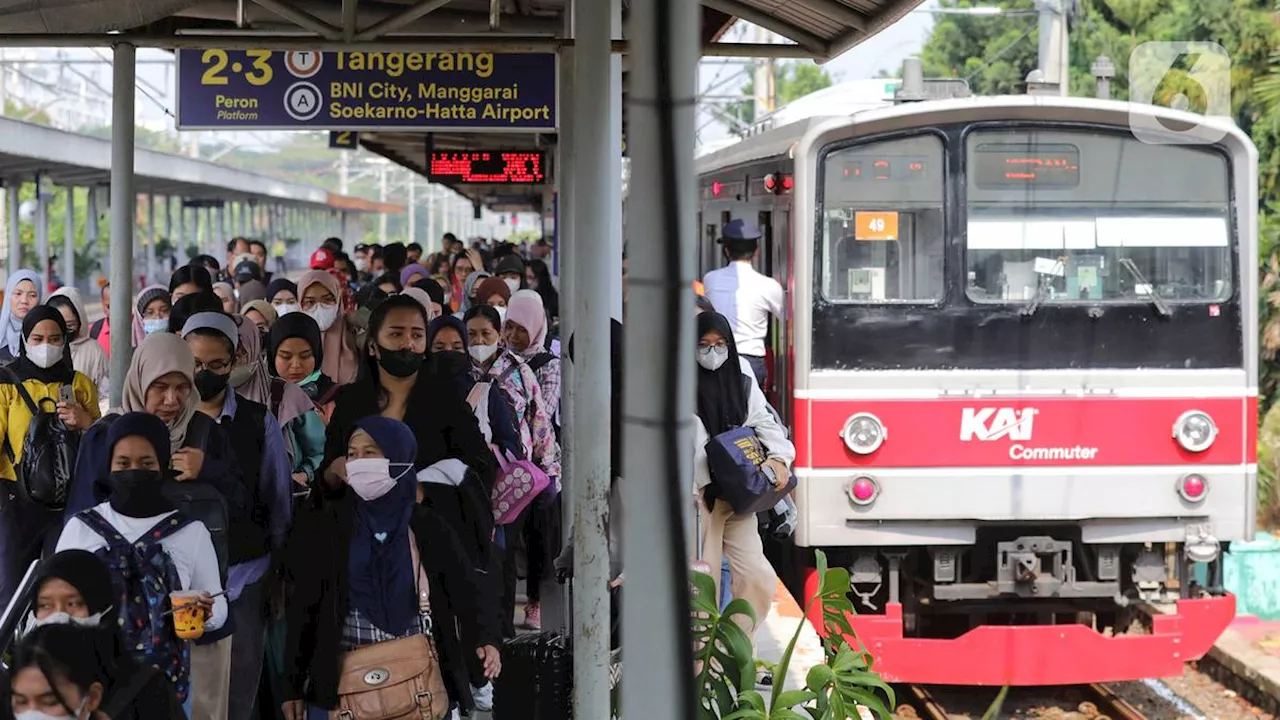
(770, 183)
(788, 182)
(716, 187)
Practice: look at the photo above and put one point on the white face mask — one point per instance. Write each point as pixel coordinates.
(370, 478)
(41, 715)
(482, 353)
(711, 358)
(44, 356)
(282, 310)
(154, 325)
(361, 264)
(61, 618)
(324, 315)
(512, 285)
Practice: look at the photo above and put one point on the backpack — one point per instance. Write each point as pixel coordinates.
(48, 455)
(143, 575)
(197, 500)
(95, 330)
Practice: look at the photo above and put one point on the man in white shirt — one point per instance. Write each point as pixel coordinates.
(744, 296)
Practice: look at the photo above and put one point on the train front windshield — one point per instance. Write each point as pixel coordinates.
(1086, 217)
(935, 248)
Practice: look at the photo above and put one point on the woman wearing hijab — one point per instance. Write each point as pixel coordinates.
(385, 568)
(197, 302)
(74, 587)
(227, 295)
(726, 400)
(388, 283)
(251, 290)
(86, 355)
(466, 297)
(296, 354)
(282, 293)
(525, 333)
(411, 274)
(44, 368)
(538, 275)
(151, 313)
(422, 298)
(137, 448)
(21, 294)
(447, 342)
(261, 313)
(189, 279)
(434, 291)
(494, 293)
(161, 382)
(320, 297)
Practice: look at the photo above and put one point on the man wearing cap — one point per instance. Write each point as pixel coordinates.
(743, 295)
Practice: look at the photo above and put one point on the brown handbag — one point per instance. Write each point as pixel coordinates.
(397, 679)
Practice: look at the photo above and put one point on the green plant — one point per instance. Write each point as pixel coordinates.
(726, 665)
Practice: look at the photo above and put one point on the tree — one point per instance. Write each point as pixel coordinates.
(791, 80)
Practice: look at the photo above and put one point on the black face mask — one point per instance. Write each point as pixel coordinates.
(399, 363)
(210, 383)
(452, 363)
(136, 493)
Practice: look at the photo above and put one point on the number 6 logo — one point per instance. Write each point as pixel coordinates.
(1155, 79)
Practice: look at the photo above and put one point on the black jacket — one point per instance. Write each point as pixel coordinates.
(156, 700)
(445, 428)
(319, 549)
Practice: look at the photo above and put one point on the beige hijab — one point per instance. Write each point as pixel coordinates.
(158, 355)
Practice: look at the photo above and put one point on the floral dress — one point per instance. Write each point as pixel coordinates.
(531, 410)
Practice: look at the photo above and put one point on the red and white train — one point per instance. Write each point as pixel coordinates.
(1020, 365)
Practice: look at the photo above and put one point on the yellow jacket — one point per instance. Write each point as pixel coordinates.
(15, 415)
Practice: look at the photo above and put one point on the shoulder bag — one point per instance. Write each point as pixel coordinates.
(397, 679)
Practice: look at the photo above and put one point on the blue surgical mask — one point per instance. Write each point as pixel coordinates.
(152, 326)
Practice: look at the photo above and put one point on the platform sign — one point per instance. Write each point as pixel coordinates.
(344, 140)
(498, 167)
(296, 90)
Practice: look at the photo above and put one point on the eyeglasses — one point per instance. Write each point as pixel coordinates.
(215, 366)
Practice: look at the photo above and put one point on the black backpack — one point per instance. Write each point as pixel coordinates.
(95, 330)
(197, 500)
(48, 454)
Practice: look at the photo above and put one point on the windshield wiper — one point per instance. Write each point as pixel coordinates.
(1041, 290)
(1162, 307)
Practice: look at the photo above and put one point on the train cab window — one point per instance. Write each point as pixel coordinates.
(882, 222)
(1072, 216)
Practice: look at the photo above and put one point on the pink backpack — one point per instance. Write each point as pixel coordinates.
(519, 483)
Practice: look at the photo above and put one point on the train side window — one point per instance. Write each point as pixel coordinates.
(882, 222)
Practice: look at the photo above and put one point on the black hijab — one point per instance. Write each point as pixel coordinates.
(299, 325)
(88, 574)
(275, 286)
(61, 371)
(722, 398)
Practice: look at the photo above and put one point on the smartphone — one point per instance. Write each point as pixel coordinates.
(66, 394)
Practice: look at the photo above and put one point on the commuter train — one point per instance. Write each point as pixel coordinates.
(1019, 362)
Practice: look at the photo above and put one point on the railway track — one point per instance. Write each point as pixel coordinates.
(1101, 703)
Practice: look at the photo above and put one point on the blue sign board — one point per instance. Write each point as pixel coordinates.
(307, 90)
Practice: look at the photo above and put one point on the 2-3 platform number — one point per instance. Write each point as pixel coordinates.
(216, 61)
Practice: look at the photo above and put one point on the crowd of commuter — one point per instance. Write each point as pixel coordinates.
(307, 478)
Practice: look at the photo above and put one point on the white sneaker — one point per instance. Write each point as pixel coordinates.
(483, 697)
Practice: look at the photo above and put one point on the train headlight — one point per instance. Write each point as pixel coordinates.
(1195, 431)
(864, 433)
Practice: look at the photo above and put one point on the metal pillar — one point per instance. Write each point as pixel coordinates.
(413, 213)
(42, 234)
(614, 238)
(222, 227)
(153, 267)
(69, 241)
(14, 196)
(91, 225)
(659, 382)
(122, 213)
(593, 163)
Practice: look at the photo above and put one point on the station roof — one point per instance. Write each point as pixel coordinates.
(817, 29)
(68, 158)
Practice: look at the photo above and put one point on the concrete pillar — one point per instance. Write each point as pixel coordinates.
(42, 234)
(593, 156)
(153, 266)
(69, 241)
(659, 383)
(13, 195)
(614, 238)
(123, 201)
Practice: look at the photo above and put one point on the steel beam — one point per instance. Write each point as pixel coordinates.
(837, 11)
(349, 12)
(301, 18)
(122, 214)
(399, 20)
(13, 193)
(42, 235)
(69, 242)
(742, 11)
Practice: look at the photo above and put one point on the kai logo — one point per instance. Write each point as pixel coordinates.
(988, 424)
